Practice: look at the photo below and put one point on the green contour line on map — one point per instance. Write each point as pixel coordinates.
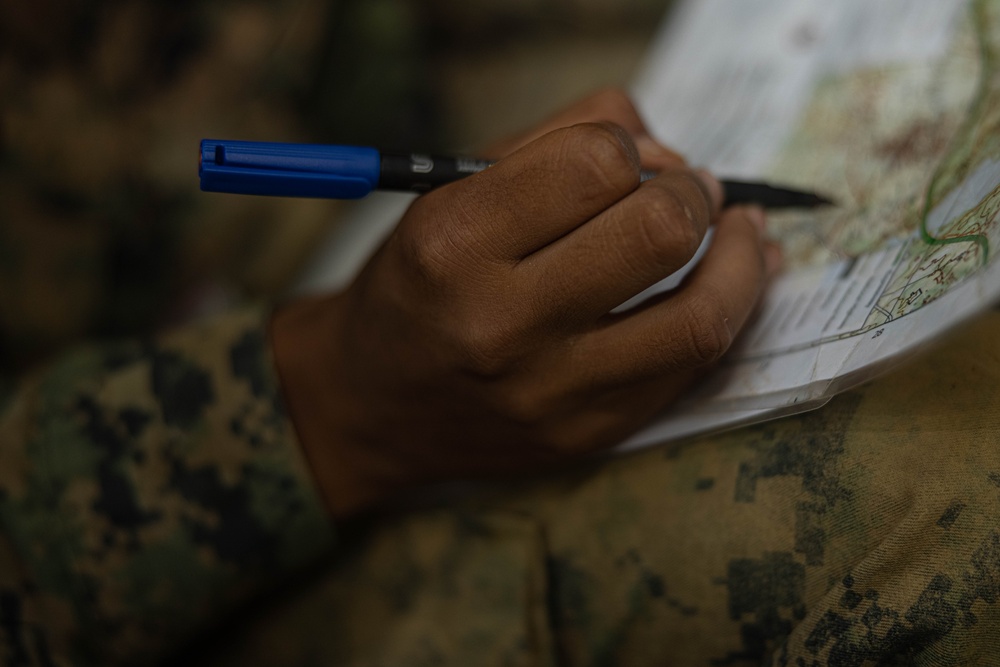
(988, 65)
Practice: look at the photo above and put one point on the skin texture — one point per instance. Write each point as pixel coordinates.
(478, 341)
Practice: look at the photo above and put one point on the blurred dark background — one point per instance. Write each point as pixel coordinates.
(452, 74)
(103, 230)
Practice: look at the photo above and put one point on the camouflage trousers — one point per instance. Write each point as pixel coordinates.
(866, 532)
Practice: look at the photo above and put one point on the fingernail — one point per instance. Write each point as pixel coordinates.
(755, 214)
(773, 258)
(713, 186)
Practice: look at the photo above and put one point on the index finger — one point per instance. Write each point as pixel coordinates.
(609, 105)
(694, 325)
(642, 239)
(539, 193)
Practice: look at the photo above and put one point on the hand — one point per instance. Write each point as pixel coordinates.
(479, 341)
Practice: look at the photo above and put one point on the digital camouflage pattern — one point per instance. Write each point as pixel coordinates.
(863, 533)
(149, 485)
(102, 105)
(147, 488)
(154, 504)
(155, 508)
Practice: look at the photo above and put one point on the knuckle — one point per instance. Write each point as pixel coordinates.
(489, 350)
(688, 189)
(668, 227)
(427, 257)
(707, 333)
(431, 251)
(527, 409)
(603, 155)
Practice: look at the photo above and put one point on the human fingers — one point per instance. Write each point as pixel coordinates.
(642, 239)
(616, 412)
(610, 105)
(616, 106)
(534, 196)
(694, 325)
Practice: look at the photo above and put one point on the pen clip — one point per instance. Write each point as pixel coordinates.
(287, 170)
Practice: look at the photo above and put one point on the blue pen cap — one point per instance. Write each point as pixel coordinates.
(288, 170)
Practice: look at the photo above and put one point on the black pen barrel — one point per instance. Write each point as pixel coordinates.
(770, 196)
(421, 173)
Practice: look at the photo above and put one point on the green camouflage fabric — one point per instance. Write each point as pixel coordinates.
(147, 488)
(864, 533)
(155, 509)
(103, 105)
(149, 485)
(103, 230)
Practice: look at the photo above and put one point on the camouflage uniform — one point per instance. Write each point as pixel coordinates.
(103, 105)
(155, 506)
(147, 488)
(867, 532)
(151, 483)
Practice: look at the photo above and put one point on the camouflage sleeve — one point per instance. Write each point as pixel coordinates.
(147, 489)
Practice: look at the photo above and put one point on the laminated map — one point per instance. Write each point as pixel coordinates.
(892, 109)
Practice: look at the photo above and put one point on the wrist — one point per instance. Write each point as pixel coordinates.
(304, 336)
